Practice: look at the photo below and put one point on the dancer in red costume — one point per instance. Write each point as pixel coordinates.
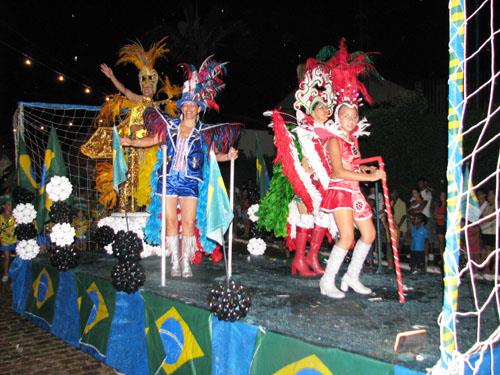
(343, 198)
(314, 101)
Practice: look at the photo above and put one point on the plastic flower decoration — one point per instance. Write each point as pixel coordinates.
(256, 246)
(62, 234)
(24, 213)
(27, 249)
(252, 210)
(59, 188)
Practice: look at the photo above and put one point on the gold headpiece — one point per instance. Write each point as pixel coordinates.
(144, 60)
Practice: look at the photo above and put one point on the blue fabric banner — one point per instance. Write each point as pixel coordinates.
(127, 343)
(232, 347)
(66, 322)
(20, 275)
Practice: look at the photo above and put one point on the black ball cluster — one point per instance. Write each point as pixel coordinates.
(229, 301)
(22, 195)
(60, 212)
(25, 231)
(127, 246)
(105, 235)
(64, 257)
(128, 275)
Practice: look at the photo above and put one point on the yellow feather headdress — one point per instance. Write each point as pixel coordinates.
(134, 53)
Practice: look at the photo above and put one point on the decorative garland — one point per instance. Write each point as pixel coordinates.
(24, 213)
(63, 254)
(229, 301)
(127, 275)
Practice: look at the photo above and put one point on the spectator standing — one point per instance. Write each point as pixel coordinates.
(7, 237)
(419, 243)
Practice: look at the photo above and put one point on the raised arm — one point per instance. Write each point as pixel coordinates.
(340, 172)
(108, 72)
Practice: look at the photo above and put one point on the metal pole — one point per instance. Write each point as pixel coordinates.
(230, 237)
(379, 240)
(163, 213)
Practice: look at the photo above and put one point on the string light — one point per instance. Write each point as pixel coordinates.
(107, 98)
(41, 127)
(27, 62)
(70, 123)
(60, 78)
(87, 90)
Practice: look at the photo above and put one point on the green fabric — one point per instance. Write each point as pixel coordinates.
(178, 336)
(270, 357)
(273, 208)
(43, 289)
(53, 165)
(96, 302)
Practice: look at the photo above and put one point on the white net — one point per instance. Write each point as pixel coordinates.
(471, 311)
(74, 125)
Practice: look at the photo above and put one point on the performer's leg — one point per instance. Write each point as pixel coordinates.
(188, 215)
(302, 232)
(173, 236)
(6, 261)
(363, 246)
(344, 220)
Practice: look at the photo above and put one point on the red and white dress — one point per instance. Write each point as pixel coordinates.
(346, 194)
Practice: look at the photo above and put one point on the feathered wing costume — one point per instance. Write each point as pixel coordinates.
(201, 86)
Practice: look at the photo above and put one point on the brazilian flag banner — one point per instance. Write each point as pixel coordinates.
(42, 295)
(282, 355)
(177, 336)
(96, 303)
(25, 175)
(53, 165)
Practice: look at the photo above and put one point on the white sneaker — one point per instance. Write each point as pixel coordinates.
(5, 278)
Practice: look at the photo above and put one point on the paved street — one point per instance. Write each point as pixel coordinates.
(27, 349)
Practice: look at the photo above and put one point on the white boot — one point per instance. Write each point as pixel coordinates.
(173, 248)
(327, 282)
(351, 277)
(188, 249)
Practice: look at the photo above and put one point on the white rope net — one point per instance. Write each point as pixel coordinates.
(476, 317)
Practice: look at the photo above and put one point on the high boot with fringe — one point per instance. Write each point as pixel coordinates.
(173, 248)
(351, 277)
(327, 282)
(188, 250)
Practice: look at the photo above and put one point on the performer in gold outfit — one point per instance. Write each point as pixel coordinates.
(136, 189)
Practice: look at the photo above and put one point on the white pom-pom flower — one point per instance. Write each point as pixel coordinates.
(109, 248)
(24, 213)
(59, 188)
(27, 249)
(252, 210)
(62, 234)
(256, 246)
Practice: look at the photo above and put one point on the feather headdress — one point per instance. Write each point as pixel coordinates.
(345, 70)
(134, 53)
(315, 87)
(203, 85)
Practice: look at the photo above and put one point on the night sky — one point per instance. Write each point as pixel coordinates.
(263, 43)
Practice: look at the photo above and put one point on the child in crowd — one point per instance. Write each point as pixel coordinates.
(419, 243)
(7, 237)
(81, 225)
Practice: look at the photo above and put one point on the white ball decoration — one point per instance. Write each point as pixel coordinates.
(109, 248)
(59, 188)
(252, 210)
(27, 249)
(256, 246)
(62, 234)
(24, 213)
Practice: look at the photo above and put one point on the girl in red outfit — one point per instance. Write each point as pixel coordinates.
(343, 198)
